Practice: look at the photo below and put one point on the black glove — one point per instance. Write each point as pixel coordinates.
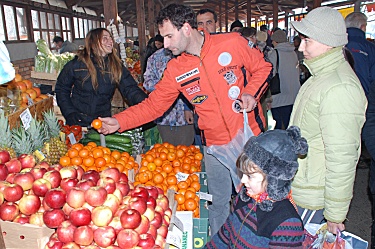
(74, 118)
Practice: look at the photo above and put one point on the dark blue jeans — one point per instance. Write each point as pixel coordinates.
(282, 116)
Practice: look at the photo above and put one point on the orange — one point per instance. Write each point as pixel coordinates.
(198, 156)
(120, 167)
(196, 186)
(76, 160)
(190, 204)
(167, 168)
(96, 124)
(143, 169)
(150, 174)
(83, 153)
(171, 156)
(182, 185)
(92, 168)
(106, 151)
(176, 170)
(110, 165)
(163, 156)
(107, 158)
(77, 146)
(149, 158)
(143, 177)
(92, 144)
(180, 153)
(88, 161)
(171, 180)
(72, 153)
(190, 194)
(65, 161)
(158, 178)
(121, 162)
(144, 162)
(158, 161)
(173, 187)
(176, 163)
(196, 213)
(151, 166)
(195, 177)
(124, 159)
(100, 162)
(96, 152)
(179, 198)
(186, 160)
(125, 154)
(186, 167)
(116, 154)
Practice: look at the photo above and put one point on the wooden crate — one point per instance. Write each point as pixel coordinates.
(36, 110)
(44, 78)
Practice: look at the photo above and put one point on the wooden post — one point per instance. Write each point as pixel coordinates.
(357, 5)
(286, 22)
(275, 14)
(110, 11)
(317, 3)
(248, 8)
(219, 14)
(236, 10)
(151, 17)
(140, 5)
(226, 17)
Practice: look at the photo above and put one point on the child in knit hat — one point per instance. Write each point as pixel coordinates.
(263, 214)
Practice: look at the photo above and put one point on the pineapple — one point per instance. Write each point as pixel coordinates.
(54, 148)
(6, 136)
(22, 142)
(38, 134)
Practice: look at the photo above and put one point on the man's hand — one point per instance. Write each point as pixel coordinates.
(109, 125)
(189, 117)
(248, 102)
(333, 227)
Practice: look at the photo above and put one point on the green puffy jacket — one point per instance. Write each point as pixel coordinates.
(330, 110)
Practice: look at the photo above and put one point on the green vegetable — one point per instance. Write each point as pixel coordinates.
(112, 138)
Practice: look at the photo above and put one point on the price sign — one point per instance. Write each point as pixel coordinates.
(29, 100)
(177, 222)
(72, 139)
(181, 176)
(174, 238)
(26, 118)
(205, 196)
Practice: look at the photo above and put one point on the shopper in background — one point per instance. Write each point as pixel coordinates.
(263, 214)
(64, 46)
(282, 103)
(236, 26)
(207, 20)
(208, 73)
(250, 34)
(86, 84)
(264, 28)
(323, 185)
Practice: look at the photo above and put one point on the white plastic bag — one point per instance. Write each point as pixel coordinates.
(228, 153)
(7, 72)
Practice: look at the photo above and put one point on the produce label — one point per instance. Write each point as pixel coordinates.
(26, 118)
(181, 176)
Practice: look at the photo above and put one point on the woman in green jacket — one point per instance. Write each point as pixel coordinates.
(330, 110)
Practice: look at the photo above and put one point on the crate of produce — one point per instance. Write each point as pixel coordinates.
(36, 110)
(44, 76)
(18, 236)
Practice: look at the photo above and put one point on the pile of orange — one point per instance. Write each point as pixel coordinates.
(160, 165)
(94, 157)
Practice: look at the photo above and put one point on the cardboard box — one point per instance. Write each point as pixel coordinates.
(17, 236)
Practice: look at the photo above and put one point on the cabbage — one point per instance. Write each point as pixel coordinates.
(43, 47)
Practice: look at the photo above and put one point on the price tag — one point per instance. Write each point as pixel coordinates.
(72, 139)
(29, 100)
(205, 196)
(174, 238)
(26, 118)
(181, 176)
(177, 222)
(40, 155)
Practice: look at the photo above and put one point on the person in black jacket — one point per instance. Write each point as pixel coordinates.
(86, 84)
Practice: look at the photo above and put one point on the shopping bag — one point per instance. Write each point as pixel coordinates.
(7, 72)
(333, 242)
(354, 241)
(228, 153)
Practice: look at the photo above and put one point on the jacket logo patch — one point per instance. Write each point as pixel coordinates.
(230, 77)
(197, 100)
(187, 75)
(193, 89)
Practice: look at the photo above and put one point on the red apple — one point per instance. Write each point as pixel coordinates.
(123, 187)
(157, 221)
(112, 202)
(38, 172)
(151, 202)
(80, 171)
(54, 244)
(101, 216)
(163, 231)
(75, 197)
(8, 211)
(123, 177)
(56, 167)
(65, 231)
(118, 194)
(150, 213)
(92, 175)
(138, 203)
(55, 198)
(104, 236)
(152, 231)
(1, 198)
(140, 192)
(22, 219)
(68, 183)
(144, 226)
(4, 156)
(43, 165)
(108, 184)
(10, 177)
(83, 235)
(13, 165)
(45, 205)
(27, 160)
(67, 209)
(95, 196)
(121, 209)
(29, 204)
(80, 217)
(160, 241)
(41, 186)
(85, 184)
(37, 219)
(53, 218)
(168, 212)
(127, 238)
(130, 219)
(3, 184)
(116, 224)
(88, 206)
(162, 201)
(68, 172)
(54, 177)
(112, 247)
(126, 200)
(12, 192)
(113, 173)
(146, 241)
(25, 180)
(3, 172)
(152, 191)
(166, 220)
(70, 245)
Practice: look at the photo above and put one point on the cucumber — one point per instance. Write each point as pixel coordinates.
(120, 147)
(112, 138)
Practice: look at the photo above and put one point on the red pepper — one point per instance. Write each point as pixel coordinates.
(65, 129)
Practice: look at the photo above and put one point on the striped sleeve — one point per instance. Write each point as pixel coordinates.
(289, 234)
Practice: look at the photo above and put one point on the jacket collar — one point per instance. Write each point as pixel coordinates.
(325, 62)
(356, 32)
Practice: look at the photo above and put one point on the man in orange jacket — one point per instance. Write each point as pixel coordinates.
(209, 73)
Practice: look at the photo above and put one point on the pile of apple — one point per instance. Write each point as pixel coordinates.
(87, 209)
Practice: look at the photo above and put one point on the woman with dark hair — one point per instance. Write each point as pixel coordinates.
(86, 84)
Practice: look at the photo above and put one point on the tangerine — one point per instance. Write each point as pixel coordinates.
(97, 153)
(76, 160)
(92, 144)
(179, 198)
(158, 178)
(100, 162)
(198, 156)
(72, 153)
(149, 158)
(88, 161)
(171, 156)
(151, 166)
(171, 180)
(190, 204)
(84, 153)
(64, 161)
(116, 154)
(96, 124)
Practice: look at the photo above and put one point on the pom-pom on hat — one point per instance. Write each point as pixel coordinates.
(279, 36)
(324, 25)
(276, 153)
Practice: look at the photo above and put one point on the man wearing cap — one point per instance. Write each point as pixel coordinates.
(330, 110)
(236, 26)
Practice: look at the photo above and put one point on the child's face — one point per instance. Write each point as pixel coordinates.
(253, 183)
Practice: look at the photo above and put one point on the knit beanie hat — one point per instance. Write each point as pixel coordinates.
(261, 36)
(235, 24)
(324, 25)
(159, 38)
(276, 153)
(279, 36)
